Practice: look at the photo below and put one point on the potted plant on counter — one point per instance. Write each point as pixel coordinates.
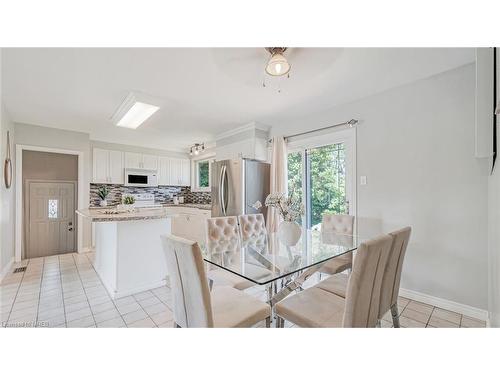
(127, 203)
(103, 193)
(290, 209)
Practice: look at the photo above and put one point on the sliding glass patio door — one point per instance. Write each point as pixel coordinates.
(321, 172)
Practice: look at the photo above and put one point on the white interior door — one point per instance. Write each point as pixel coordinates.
(51, 218)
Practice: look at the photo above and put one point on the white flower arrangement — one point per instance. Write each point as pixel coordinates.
(290, 208)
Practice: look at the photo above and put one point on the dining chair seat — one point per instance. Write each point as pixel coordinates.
(336, 284)
(337, 264)
(234, 308)
(313, 308)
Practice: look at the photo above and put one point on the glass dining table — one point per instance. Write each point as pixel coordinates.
(265, 260)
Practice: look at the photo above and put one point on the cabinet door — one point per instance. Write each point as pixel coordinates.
(116, 171)
(163, 170)
(150, 162)
(186, 172)
(175, 172)
(133, 160)
(100, 164)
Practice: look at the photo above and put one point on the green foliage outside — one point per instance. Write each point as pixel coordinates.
(203, 173)
(327, 182)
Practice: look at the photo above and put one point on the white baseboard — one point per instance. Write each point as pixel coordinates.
(6, 269)
(445, 304)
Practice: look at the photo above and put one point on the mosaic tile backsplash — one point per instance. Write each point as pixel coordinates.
(163, 194)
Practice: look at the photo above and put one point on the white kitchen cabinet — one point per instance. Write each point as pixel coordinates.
(133, 160)
(163, 170)
(142, 161)
(186, 172)
(149, 161)
(116, 170)
(100, 162)
(107, 166)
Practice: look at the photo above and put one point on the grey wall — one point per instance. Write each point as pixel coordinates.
(415, 144)
(494, 225)
(49, 166)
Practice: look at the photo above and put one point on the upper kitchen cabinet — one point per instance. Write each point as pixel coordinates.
(180, 172)
(149, 161)
(107, 166)
(163, 170)
(144, 161)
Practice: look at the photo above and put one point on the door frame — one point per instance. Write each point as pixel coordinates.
(19, 193)
(26, 191)
(347, 135)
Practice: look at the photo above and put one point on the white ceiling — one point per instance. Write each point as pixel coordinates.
(203, 91)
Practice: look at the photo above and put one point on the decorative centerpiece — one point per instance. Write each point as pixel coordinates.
(290, 209)
(103, 193)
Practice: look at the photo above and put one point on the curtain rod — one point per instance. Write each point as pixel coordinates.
(349, 123)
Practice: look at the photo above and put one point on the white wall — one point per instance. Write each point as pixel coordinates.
(415, 144)
(7, 206)
(493, 228)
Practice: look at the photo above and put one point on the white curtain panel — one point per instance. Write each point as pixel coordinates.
(278, 179)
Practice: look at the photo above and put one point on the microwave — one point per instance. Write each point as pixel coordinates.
(141, 177)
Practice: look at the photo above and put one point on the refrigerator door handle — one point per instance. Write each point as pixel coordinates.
(222, 190)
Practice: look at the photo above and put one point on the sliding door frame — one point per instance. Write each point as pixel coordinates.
(302, 144)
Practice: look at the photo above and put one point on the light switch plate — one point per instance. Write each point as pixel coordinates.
(362, 180)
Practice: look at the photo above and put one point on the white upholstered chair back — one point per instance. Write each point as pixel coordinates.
(365, 283)
(392, 275)
(223, 235)
(341, 224)
(252, 225)
(191, 295)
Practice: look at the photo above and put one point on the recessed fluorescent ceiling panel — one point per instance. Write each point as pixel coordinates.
(133, 111)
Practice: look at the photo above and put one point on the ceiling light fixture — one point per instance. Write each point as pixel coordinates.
(134, 110)
(277, 64)
(196, 149)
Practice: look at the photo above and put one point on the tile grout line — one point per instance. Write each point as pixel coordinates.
(17, 292)
(83, 287)
(62, 292)
(39, 294)
(142, 308)
(112, 300)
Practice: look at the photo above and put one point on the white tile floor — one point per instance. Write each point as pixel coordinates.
(65, 291)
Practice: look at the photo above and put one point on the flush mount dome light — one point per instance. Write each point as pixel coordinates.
(134, 110)
(277, 64)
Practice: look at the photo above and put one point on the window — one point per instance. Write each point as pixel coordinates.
(201, 181)
(319, 173)
(52, 209)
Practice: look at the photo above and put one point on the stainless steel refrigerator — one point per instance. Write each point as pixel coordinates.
(237, 184)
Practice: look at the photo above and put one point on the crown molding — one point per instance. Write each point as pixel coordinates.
(250, 126)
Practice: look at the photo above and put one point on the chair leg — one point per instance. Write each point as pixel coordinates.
(268, 322)
(280, 322)
(210, 284)
(379, 325)
(176, 325)
(395, 315)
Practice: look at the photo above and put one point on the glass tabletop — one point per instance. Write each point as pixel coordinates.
(265, 259)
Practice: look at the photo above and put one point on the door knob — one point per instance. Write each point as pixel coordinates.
(70, 229)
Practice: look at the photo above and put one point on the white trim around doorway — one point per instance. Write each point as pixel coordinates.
(19, 193)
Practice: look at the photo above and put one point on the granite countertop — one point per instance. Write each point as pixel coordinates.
(190, 205)
(99, 215)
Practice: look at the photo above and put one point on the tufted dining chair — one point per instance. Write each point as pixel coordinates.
(332, 225)
(223, 243)
(253, 229)
(316, 307)
(194, 305)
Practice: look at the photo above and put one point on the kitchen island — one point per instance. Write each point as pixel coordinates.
(128, 252)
